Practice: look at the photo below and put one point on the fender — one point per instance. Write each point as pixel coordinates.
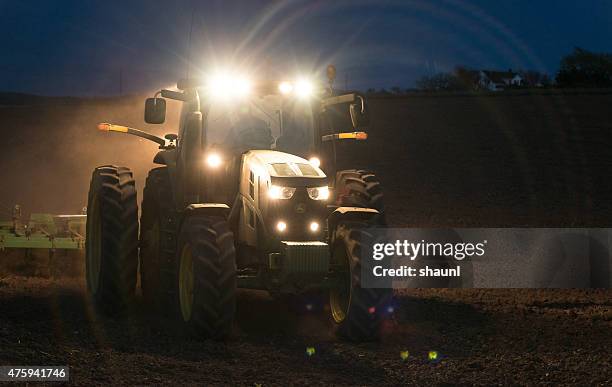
(350, 213)
(208, 209)
(166, 157)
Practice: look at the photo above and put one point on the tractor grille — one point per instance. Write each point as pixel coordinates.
(305, 257)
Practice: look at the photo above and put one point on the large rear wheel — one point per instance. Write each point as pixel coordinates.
(206, 276)
(112, 238)
(158, 243)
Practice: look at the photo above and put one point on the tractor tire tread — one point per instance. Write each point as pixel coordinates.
(116, 191)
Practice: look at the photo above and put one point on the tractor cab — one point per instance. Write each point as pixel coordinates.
(261, 121)
(300, 118)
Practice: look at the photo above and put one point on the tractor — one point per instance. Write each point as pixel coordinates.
(249, 194)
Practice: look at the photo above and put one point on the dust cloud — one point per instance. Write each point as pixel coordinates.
(51, 146)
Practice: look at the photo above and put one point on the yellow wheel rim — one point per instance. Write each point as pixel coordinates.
(94, 248)
(186, 283)
(340, 295)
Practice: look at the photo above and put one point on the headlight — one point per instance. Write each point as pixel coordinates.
(213, 160)
(281, 226)
(225, 85)
(318, 193)
(315, 162)
(314, 226)
(303, 88)
(285, 87)
(277, 192)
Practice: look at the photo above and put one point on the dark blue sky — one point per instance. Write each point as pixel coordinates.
(82, 47)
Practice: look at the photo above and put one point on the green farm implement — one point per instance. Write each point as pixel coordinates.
(46, 244)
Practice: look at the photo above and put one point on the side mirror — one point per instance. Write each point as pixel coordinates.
(155, 111)
(359, 113)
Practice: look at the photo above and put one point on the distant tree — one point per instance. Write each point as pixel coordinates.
(467, 78)
(534, 78)
(439, 82)
(371, 91)
(583, 68)
(396, 90)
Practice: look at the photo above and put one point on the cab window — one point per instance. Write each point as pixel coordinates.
(252, 184)
(307, 170)
(283, 169)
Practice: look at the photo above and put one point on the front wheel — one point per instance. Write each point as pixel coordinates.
(357, 311)
(360, 188)
(206, 277)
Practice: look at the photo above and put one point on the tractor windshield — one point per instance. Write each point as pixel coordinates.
(270, 122)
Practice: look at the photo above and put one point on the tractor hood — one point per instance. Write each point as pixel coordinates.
(282, 166)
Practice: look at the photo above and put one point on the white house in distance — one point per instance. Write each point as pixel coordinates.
(498, 80)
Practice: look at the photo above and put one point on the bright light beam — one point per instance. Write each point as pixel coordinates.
(303, 88)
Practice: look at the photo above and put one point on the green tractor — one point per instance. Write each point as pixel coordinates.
(249, 194)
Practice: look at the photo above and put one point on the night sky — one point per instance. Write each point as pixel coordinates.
(101, 47)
